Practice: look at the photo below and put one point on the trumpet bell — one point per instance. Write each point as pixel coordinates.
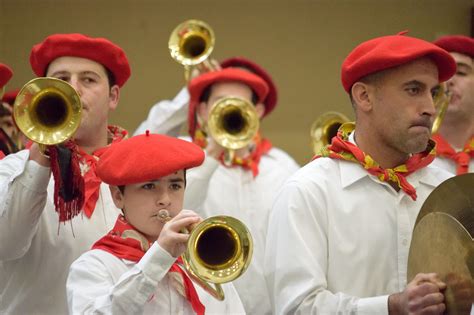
(325, 128)
(47, 110)
(191, 42)
(219, 249)
(233, 122)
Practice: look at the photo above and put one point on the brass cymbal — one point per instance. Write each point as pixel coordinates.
(454, 196)
(442, 240)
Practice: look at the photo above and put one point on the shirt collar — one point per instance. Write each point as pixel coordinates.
(353, 172)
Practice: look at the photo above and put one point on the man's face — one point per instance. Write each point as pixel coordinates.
(461, 85)
(141, 203)
(224, 89)
(89, 78)
(403, 110)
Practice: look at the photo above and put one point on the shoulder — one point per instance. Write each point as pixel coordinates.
(282, 157)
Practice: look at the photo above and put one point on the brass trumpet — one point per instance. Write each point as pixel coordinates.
(441, 102)
(47, 111)
(233, 123)
(190, 44)
(219, 250)
(325, 128)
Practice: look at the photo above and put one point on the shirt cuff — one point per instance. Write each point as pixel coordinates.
(156, 262)
(373, 305)
(35, 177)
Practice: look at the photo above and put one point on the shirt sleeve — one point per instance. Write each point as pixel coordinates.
(91, 288)
(197, 183)
(23, 194)
(167, 116)
(296, 258)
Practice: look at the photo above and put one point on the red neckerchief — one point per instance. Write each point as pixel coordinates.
(88, 163)
(340, 148)
(251, 162)
(125, 242)
(462, 158)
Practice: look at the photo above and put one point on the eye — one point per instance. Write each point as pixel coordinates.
(88, 80)
(414, 90)
(176, 186)
(64, 78)
(461, 73)
(149, 186)
(435, 92)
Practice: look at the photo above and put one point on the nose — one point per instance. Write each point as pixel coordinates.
(75, 84)
(429, 106)
(163, 198)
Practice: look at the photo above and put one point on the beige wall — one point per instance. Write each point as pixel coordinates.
(302, 43)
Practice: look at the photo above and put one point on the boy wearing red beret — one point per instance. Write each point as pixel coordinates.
(340, 229)
(246, 189)
(455, 138)
(36, 249)
(134, 268)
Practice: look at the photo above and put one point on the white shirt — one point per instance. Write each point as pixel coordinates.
(213, 189)
(167, 116)
(35, 249)
(101, 283)
(338, 239)
(450, 166)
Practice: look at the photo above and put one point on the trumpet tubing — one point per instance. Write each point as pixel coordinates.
(325, 128)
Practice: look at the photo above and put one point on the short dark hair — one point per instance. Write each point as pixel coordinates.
(122, 187)
(373, 79)
(207, 93)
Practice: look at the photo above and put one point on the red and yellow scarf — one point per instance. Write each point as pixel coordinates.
(462, 158)
(341, 149)
(261, 147)
(88, 163)
(125, 242)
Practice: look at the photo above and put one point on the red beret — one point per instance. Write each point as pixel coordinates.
(200, 83)
(271, 99)
(457, 43)
(390, 51)
(10, 96)
(5, 74)
(100, 50)
(147, 157)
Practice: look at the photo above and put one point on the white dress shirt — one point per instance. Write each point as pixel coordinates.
(167, 116)
(450, 166)
(338, 239)
(101, 283)
(35, 249)
(213, 189)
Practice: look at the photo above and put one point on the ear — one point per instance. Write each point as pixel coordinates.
(362, 95)
(260, 108)
(114, 96)
(201, 111)
(117, 196)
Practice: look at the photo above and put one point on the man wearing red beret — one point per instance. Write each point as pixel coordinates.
(7, 127)
(36, 249)
(242, 191)
(340, 228)
(455, 139)
(135, 268)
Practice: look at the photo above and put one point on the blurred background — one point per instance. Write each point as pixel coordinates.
(301, 43)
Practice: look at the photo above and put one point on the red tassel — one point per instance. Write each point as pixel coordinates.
(67, 209)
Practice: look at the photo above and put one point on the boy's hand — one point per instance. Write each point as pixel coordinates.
(171, 239)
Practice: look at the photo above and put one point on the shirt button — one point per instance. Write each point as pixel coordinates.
(405, 242)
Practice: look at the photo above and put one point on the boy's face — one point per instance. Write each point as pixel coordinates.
(142, 202)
